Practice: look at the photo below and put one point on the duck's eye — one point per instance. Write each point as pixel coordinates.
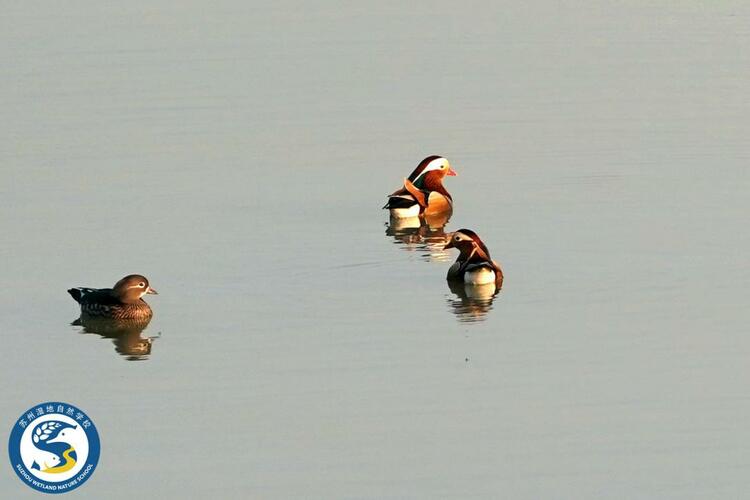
(141, 284)
(457, 238)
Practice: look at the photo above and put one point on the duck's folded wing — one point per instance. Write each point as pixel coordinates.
(406, 197)
(418, 195)
(93, 296)
(400, 191)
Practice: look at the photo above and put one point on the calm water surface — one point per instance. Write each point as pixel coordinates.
(302, 347)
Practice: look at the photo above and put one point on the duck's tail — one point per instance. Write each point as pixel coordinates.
(76, 293)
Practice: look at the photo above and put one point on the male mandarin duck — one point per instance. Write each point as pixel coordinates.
(123, 301)
(423, 192)
(474, 265)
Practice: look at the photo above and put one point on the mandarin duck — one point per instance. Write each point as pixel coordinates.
(123, 301)
(423, 192)
(474, 265)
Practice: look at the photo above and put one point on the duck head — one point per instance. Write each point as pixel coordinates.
(430, 172)
(132, 287)
(468, 243)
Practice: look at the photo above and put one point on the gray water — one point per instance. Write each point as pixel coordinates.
(238, 155)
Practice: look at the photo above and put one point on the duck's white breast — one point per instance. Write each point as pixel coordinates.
(481, 276)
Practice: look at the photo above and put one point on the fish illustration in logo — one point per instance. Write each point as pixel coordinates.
(70, 462)
(67, 436)
(47, 458)
(43, 460)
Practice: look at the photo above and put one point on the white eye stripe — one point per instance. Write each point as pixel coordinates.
(435, 164)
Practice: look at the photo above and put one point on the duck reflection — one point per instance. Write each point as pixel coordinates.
(471, 303)
(125, 335)
(421, 234)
